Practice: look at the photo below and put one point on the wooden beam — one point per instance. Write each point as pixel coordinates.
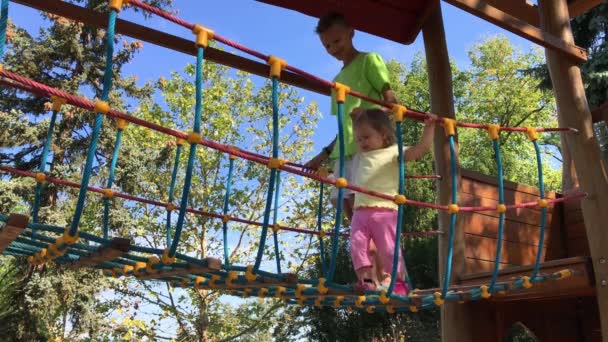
(150, 35)
(212, 265)
(15, 225)
(520, 9)
(117, 248)
(520, 28)
(578, 7)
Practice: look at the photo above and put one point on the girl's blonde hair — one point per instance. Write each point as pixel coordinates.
(378, 120)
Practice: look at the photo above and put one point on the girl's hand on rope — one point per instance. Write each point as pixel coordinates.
(315, 163)
(431, 119)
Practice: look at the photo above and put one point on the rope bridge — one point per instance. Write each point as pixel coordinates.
(117, 257)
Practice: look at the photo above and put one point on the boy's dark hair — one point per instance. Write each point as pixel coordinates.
(379, 121)
(330, 19)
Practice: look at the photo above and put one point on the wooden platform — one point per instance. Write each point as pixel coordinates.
(117, 248)
(14, 227)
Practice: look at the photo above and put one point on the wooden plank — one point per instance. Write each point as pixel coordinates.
(212, 265)
(515, 270)
(117, 248)
(579, 247)
(523, 215)
(521, 28)
(573, 217)
(578, 7)
(516, 232)
(577, 230)
(477, 177)
(474, 265)
(600, 113)
(156, 37)
(479, 247)
(522, 10)
(15, 225)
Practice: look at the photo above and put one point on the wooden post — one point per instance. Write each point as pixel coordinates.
(573, 111)
(14, 227)
(455, 324)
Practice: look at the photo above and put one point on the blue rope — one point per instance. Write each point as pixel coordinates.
(191, 157)
(107, 85)
(3, 25)
(276, 212)
(106, 201)
(43, 161)
(273, 172)
(225, 212)
(543, 217)
(335, 237)
(320, 227)
(178, 153)
(501, 216)
(448, 268)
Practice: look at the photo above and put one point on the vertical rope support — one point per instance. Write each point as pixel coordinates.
(106, 200)
(274, 222)
(338, 222)
(3, 26)
(178, 153)
(107, 85)
(42, 168)
(320, 227)
(453, 173)
(543, 217)
(225, 212)
(501, 211)
(273, 171)
(195, 138)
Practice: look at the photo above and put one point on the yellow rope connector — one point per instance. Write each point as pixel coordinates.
(276, 228)
(126, 269)
(453, 208)
(384, 299)
(323, 172)
(57, 102)
(153, 260)
(318, 302)
(170, 206)
(246, 293)
(322, 234)
(198, 282)
(400, 199)
(359, 301)
(449, 126)
(338, 301)
(299, 289)
(341, 91)
(276, 66)
(213, 279)
(543, 203)
(341, 183)
(203, 35)
(232, 276)
(54, 248)
(485, 294)
(532, 134)
(563, 274)
(321, 286)
(370, 309)
(390, 309)
(501, 208)
(69, 239)
(117, 4)
(121, 124)
(101, 107)
(180, 141)
(140, 268)
(249, 275)
(107, 193)
(226, 218)
(279, 292)
(40, 177)
(275, 163)
(166, 259)
(194, 138)
(494, 131)
(399, 111)
(526, 282)
(438, 300)
(262, 292)
(413, 308)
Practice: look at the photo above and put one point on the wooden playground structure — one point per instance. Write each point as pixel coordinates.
(574, 309)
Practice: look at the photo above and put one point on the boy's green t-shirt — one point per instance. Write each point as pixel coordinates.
(368, 75)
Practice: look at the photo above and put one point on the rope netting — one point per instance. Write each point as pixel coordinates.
(41, 243)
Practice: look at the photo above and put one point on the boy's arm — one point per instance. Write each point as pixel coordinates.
(426, 141)
(316, 162)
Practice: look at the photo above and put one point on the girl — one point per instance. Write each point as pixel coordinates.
(378, 170)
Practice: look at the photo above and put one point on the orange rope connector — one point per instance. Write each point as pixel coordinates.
(246, 292)
(194, 138)
(390, 309)
(299, 289)
(494, 131)
(359, 301)
(276, 66)
(341, 91)
(226, 218)
(279, 292)
(153, 260)
(321, 286)
(203, 35)
(453, 208)
(384, 299)
(57, 102)
(198, 282)
(485, 294)
(449, 126)
(180, 141)
(140, 268)
(501, 208)
(1, 68)
(526, 282)
(399, 111)
(262, 292)
(117, 4)
(249, 275)
(107, 193)
(276, 228)
(166, 259)
(122, 124)
(341, 183)
(338, 301)
(275, 163)
(532, 133)
(171, 206)
(563, 274)
(231, 277)
(213, 279)
(438, 300)
(40, 177)
(69, 239)
(101, 107)
(543, 203)
(413, 308)
(400, 199)
(322, 234)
